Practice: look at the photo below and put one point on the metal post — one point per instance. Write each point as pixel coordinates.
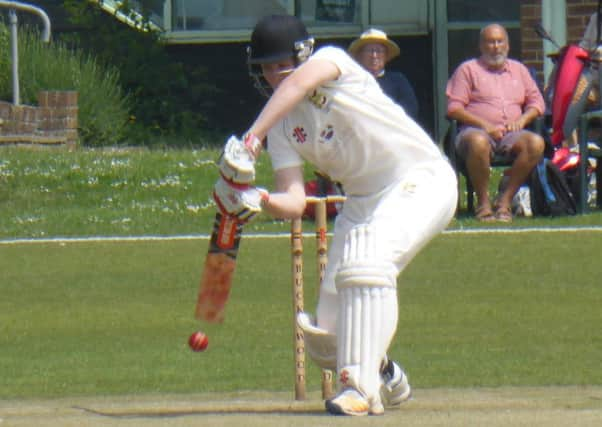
(440, 69)
(12, 13)
(14, 51)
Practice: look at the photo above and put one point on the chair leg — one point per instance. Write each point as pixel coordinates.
(458, 202)
(583, 156)
(598, 173)
(469, 196)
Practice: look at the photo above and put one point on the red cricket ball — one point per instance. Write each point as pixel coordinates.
(198, 341)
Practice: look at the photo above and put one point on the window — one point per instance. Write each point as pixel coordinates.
(234, 19)
(483, 10)
(391, 15)
(467, 17)
(329, 12)
(224, 14)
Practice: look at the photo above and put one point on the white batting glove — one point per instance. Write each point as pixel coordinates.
(241, 201)
(237, 162)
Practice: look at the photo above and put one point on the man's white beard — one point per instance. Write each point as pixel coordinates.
(495, 60)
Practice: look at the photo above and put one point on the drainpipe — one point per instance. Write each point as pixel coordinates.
(440, 65)
(553, 19)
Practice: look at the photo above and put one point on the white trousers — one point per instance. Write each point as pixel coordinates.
(407, 215)
(375, 237)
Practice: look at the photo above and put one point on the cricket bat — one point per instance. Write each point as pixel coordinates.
(216, 280)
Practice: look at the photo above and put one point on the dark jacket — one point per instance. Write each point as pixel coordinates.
(397, 87)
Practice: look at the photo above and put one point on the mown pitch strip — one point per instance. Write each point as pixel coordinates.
(504, 406)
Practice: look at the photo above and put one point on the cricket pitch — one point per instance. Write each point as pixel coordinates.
(504, 406)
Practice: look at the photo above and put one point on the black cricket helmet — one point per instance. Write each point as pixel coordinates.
(276, 38)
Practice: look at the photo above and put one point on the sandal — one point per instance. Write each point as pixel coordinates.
(484, 214)
(503, 214)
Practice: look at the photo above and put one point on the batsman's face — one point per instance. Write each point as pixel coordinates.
(373, 57)
(276, 72)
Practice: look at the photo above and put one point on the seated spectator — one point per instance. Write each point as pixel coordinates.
(373, 50)
(494, 98)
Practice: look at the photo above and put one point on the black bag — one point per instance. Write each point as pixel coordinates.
(550, 192)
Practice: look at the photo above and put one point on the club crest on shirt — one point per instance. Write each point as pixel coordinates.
(344, 377)
(299, 134)
(326, 134)
(318, 99)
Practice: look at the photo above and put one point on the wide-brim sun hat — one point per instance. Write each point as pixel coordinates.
(374, 36)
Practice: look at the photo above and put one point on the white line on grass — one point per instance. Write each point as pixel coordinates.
(287, 235)
(524, 230)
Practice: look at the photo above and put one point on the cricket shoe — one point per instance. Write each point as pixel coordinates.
(395, 388)
(351, 402)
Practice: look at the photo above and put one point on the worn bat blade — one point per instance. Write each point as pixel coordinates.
(216, 281)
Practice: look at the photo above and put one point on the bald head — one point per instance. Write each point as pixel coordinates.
(494, 45)
(495, 28)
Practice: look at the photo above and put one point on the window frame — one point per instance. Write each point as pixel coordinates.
(328, 30)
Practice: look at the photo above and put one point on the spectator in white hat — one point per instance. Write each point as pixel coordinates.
(373, 50)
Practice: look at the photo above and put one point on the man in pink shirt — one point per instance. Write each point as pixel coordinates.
(494, 98)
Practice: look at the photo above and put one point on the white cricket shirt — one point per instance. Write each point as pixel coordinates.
(350, 130)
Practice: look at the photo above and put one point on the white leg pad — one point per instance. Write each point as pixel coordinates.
(321, 345)
(367, 322)
(366, 260)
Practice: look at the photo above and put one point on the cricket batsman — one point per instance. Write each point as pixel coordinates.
(325, 109)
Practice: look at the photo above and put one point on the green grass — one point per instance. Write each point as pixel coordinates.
(114, 317)
(111, 318)
(504, 310)
(55, 192)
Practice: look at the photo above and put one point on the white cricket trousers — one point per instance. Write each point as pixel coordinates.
(405, 217)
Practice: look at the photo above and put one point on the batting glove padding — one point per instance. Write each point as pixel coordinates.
(319, 343)
(237, 162)
(241, 201)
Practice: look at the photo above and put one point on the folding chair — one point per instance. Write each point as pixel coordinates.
(498, 161)
(585, 153)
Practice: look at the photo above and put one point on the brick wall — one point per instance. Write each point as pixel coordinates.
(58, 113)
(531, 46)
(52, 121)
(577, 16)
